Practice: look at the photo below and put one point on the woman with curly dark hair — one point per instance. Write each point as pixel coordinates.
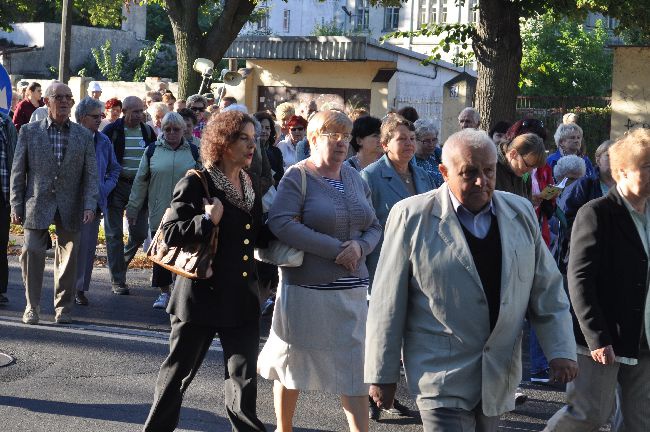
(227, 303)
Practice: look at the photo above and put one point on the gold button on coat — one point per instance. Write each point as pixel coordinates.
(246, 241)
(248, 226)
(245, 257)
(244, 274)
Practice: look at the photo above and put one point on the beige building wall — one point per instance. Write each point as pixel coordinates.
(454, 99)
(630, 90)
(291, 73)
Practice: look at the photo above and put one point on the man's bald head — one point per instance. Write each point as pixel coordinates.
(469, 160)
(463, 141)
(133, 110)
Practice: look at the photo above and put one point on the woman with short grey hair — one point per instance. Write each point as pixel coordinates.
(428, 155)
(570, 167)
(89, 115)
(163, 164)
(568, 139)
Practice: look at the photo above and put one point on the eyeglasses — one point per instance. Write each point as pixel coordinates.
(334, 136)
(198, 109)
(95, 116)
(297, 129)
(61, 98)
(526, 163)
(429, 141)
(172, 130)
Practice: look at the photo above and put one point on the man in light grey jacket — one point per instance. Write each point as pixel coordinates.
(53, 180)
(459, 269)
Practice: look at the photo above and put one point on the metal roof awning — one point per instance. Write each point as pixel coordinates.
(325, 48)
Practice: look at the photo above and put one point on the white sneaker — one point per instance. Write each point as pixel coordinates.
(30, 316)
(162, 301)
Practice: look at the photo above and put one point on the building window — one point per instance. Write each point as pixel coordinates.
(286, 21)
(263, 23)
(428, 12)
(612, 23)
(423, 16)
(473, 11)
(391, 18)
(443, 16)
(362, 15)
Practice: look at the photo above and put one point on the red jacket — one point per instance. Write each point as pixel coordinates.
(24, 111)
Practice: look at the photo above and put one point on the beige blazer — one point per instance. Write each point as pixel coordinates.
(428, 302)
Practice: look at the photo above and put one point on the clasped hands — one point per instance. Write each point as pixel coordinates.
(88, 216)
(350, 255)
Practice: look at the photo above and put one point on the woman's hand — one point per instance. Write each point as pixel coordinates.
(214, 208)
(350, 255)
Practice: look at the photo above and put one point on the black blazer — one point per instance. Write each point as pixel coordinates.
(230, 296)
(607, 277)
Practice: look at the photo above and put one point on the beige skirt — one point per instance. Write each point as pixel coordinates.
(317, 340)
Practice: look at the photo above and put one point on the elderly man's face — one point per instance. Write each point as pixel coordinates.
(471, 176)
(133, 113)
(466, 120)
(92, 120)
(60, 103)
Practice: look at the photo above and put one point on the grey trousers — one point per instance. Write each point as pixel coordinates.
(120, 255)
(86, 253)
(458, 420)
(591, 397)
(32, 263)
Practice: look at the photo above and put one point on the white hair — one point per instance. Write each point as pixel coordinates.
(473, 111)
(172, 118)
(564, 130)
(570, 164)
(158, 108)
(425, 126)
(472, 138)
(235, 107)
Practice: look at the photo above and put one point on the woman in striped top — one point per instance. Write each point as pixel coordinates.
(318, 331)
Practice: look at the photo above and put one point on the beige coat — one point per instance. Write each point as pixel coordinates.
(428, 301)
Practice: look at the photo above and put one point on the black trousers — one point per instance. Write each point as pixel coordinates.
(5, 221)
(160, 277)
(189, 344)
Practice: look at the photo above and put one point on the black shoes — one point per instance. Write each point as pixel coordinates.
(397, 410)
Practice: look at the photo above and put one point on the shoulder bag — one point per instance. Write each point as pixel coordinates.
(192, 261)
(279, 253)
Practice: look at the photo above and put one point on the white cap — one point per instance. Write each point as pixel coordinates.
(94, 86)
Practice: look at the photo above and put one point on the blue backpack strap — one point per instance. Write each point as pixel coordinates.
(151, 148)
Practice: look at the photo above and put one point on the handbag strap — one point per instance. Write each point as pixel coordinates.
(204, 182)
(303, 187)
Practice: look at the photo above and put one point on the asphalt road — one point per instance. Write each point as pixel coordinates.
(98, 373)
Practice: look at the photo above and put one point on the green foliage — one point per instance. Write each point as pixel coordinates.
(111, 69)
(561, 57)
(148, 56)
(328, 29)
(53, 71)
(158, 23)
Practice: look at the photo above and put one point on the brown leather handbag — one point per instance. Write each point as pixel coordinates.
(193, 261)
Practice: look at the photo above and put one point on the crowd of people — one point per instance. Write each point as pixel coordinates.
(415, 255)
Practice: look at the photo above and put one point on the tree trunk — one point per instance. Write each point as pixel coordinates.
(190, 44)
(497, 46)
(183, 16)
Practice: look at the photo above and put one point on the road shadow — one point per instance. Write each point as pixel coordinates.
(123, 413)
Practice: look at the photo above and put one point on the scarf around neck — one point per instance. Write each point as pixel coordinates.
(222, 183)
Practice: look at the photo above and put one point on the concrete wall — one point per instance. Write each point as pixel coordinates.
(630, 90)
(47, 36)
